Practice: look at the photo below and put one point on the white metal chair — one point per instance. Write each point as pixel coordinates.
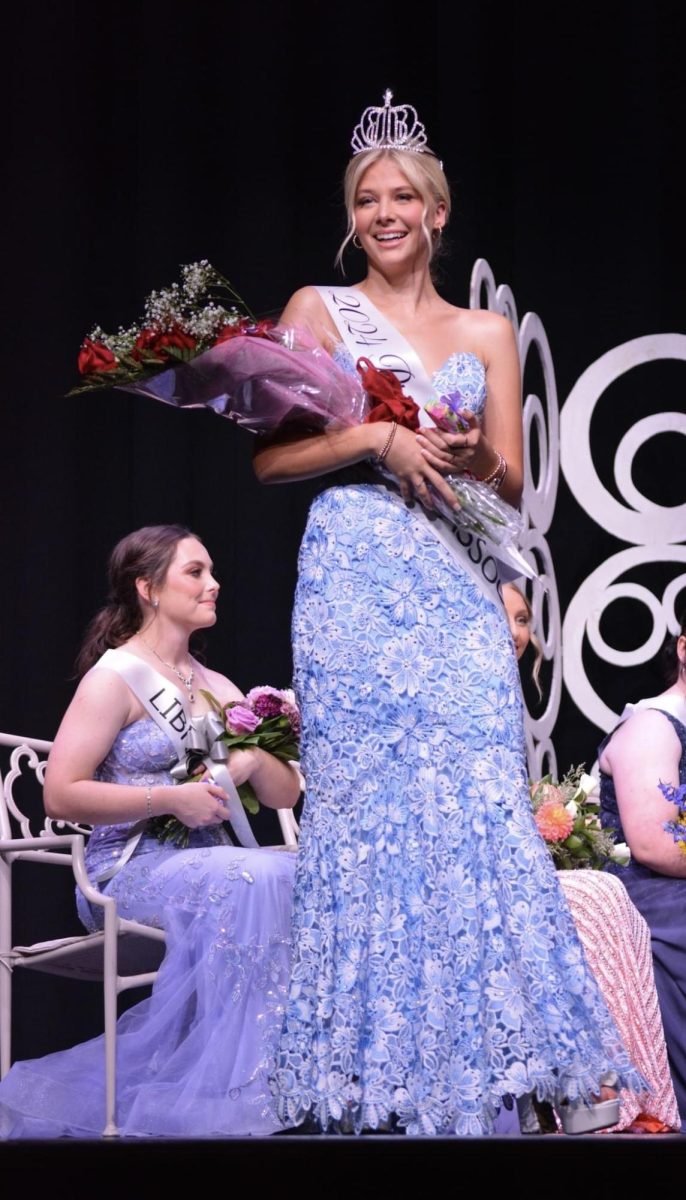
(125, 955)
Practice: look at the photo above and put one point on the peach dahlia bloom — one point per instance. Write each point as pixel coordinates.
(553, 821)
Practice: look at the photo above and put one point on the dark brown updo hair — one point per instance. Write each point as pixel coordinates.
(669, 659)
(144, 554)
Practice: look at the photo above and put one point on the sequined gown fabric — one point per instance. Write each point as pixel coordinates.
(661, 899)
(194, 1059)
(436, 965)
(616, 942)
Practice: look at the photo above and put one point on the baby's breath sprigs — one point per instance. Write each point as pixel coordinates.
(178, 323)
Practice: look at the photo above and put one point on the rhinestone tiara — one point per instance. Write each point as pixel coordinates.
(392, 127)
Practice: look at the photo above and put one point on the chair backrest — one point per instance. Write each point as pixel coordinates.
(22, 774)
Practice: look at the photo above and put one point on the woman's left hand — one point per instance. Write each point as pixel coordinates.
(453, 453)
(242, 764)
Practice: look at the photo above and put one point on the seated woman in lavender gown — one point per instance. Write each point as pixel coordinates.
(193, 1059)
(616, 942)
(647, 748)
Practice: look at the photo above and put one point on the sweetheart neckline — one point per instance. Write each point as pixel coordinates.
(457, 354)
(451, 357)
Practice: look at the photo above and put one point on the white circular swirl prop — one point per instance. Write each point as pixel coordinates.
(640, 521)
(540, 419)
(655, 532)
(585, 613)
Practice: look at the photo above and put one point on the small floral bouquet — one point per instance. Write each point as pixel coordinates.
(268, 718)
(481, 510)
(677, 827)
(567, 818)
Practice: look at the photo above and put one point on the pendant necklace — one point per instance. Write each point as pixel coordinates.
(187, 680)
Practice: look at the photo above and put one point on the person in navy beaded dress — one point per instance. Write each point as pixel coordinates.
(436, 965)
(647, 748)
(194, 1059)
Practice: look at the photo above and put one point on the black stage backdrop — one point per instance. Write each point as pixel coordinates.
(152, 134)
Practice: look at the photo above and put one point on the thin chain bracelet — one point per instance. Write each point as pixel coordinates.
(387, 445)
(148, 803)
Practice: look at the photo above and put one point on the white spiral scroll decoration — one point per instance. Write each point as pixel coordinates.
(538, 502)
(655, 533)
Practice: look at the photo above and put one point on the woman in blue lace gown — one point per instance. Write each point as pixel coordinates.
(649, 747)
(193, 1059)
(436, 966)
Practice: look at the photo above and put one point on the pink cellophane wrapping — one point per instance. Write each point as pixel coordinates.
(286, 379)
(264, 384)
(616, 941)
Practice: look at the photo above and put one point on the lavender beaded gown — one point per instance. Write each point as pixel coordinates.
(194, 1059)
(436, 966)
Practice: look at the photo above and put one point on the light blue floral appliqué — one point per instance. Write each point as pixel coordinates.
(436, 965)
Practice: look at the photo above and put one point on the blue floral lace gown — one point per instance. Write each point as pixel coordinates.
(436, 965)
(194, 1059)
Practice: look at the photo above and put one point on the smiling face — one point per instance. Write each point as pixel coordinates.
(188, 595)
(392, 219)
(518, 618)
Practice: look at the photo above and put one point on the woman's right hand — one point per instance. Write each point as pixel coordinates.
(198, 804)
(417, 479)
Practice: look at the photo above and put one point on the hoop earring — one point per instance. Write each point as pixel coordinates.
(356, 242)
(437, 233)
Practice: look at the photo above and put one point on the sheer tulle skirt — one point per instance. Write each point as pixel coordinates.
(194, 1058)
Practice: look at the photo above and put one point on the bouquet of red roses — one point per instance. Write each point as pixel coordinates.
(199, 346)
(191, 351)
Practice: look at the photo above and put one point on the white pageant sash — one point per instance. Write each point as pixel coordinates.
(165, 704)
(673, 704)
(365, 331)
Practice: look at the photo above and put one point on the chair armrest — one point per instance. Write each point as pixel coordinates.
(46, 849)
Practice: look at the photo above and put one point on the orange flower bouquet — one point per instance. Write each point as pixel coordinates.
(567, 817)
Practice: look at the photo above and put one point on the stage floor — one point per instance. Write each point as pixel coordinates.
(585, 1167)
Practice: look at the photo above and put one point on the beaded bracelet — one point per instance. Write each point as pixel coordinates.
(496, 476)
(148, 803)
(387, 445)
(498, 481)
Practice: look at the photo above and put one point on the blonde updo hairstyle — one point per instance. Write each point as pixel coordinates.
(533, 639)
(423, 171)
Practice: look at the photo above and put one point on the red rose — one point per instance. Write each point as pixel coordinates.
(389, 402)
(94, 357)
(259, 328)
(155, 341)
(231, 331)
(244, 328)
